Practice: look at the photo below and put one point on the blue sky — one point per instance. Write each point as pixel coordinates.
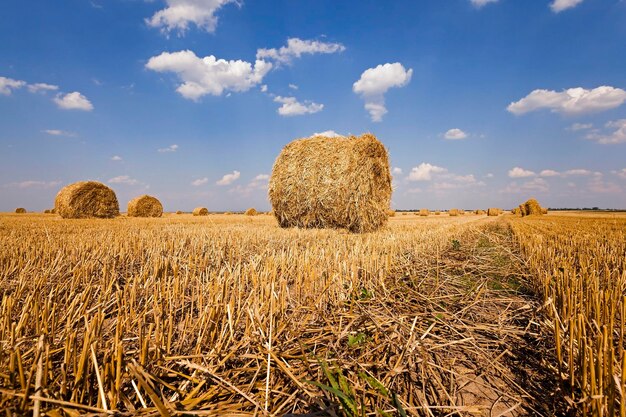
(480, 102)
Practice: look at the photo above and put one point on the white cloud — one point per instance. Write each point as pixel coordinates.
(489, 175)
(558, 6)
(41, 87)
(57, 132)
(424, 172)
(292, 107)
(229, 178)
(571, 101)
(375, 82)
(180, 13)
(7, 85)
(73, 101)
(209, 75)
(171, 148)
(621, 173)
(518, 172)
(580, 126)
(617, 136)
(481, 3)
(293, 86)
(116, 158)
(295, 48)
(577, 172)
(455, 134)
(262, 177)
(549, 173)
(264, 88)
(200, 181)
(396, 171)
(34, 184)
(260, 182)
(328, 134)
(123, 179)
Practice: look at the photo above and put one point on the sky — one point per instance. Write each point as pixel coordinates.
(481, 103)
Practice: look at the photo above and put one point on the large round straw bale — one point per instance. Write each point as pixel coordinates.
(532, 208)
(341, 182)
(145, 206)
(85, 199)
(424, 212)
(453, 212)
(20, 210)
(200, 211)
(492, 211)
(251, 212)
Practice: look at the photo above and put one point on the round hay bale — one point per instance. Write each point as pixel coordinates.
(437, 213)
(479, 212)
(251, 212)
(544, 210)
(424, 212)
(86, 199)
(145, 206)
(391, 213)
(492, 211)
(20, 210)
(179, 212)
(332, 183)
(200, 211)
(453, 212)
(46, 211)
(532, 208)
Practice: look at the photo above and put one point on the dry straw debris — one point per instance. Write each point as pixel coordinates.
(251, 212)
(85, 199)
(20, 210)
(324, 182)
(145, 206)
(424, 212)
(200, 211)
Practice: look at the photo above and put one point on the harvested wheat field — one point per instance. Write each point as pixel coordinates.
(232, 315)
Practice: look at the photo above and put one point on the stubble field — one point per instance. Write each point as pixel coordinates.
(231, 315)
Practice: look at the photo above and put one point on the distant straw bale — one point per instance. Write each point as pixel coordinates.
(86, 199)
(492, 211)
(46, 211)
(532, 208)
(479, 211)
(424, 212)
(324, 182)
(437, 213)
(544, 210)
(251, 212)
(200, 211)
(145, 206)
(453, 212)
(179, 212)
(20, 210)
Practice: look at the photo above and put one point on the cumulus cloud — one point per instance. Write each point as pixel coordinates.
(73, 101)
(41, 87)
(481, 3)
(116, 158)
(209, 75)
(621, 173)
(328, 134)
(424, 172)
(292, 107)
(534, 185)
(179, 14)
(396, 171)
(571, 101)
(229, 178)
(34, 184)
(455, 134)
(7, 85)
(293, 86)
(260, 182)
(580, 126)
(618, 135)
(375, 82)
(171, 148)
(549, 173)
(57, 132)
(123, 179)
(518, 172)
(295, 48)
(199, 182)
(558, 6)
